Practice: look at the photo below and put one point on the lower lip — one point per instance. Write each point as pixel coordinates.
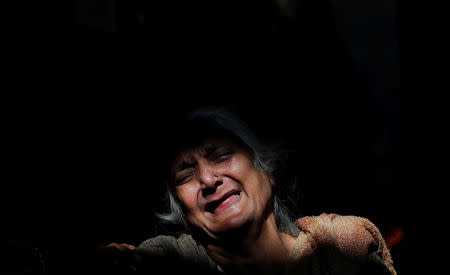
(231, 200)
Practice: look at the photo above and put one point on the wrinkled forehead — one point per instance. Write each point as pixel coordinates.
(203, 149)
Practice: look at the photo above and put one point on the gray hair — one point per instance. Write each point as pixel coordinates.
(265, 158)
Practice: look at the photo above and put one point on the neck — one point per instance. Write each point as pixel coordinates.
(261, 248)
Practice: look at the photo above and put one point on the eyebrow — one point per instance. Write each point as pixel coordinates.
(183, 165)
(211, 149)
(207, 151)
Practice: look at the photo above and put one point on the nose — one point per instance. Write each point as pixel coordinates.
(209, 180)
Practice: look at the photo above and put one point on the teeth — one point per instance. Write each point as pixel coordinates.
(211, 207)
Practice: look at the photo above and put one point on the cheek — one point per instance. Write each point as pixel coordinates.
(187, 194)
(240, 167)
(259, 186)
(254, 181)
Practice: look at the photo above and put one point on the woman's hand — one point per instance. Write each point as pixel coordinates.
(123, 247)
(115, 257)
(115, 248)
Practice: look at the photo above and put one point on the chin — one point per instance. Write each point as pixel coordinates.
(233, 219)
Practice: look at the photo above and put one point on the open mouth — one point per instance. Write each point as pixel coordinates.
(218, 206)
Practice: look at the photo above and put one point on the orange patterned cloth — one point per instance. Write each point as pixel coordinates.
(333, 244)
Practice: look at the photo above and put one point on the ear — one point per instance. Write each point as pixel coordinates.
(271, 179)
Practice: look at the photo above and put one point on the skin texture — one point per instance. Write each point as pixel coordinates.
(244, 225)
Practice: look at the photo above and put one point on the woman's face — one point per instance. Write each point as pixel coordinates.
(220, 188)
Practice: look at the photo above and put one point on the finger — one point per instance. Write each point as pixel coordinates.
(129, 246)
(119, 247)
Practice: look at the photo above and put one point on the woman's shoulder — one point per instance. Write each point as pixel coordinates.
(182, 247)
(350, 237)
(170, 243)
(165, 240)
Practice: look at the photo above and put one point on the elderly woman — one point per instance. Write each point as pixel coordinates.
(223, 189)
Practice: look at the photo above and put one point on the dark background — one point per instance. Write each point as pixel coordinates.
(91, 87)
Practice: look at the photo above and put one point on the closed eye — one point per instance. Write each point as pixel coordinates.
(184, 178)
(222, 157)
